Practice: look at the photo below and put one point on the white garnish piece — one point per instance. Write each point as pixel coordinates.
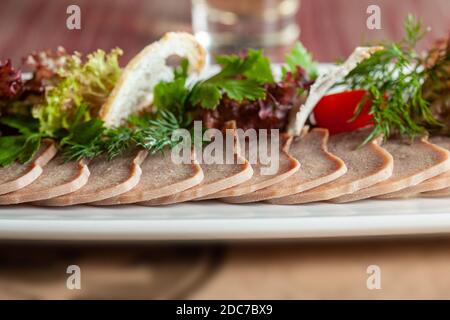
(324, 83)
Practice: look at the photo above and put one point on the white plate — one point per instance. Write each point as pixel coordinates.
(215, 220)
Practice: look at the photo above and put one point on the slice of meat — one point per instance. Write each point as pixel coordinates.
(58, 178)
(437, 183)
(318, 166)
(17, 176)
(161, 177)
(366, 166)
(217, 177)
(413, 163)
(109, 178)
(437, 193)
(287, 166)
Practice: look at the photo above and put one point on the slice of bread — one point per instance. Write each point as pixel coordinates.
(133, 91)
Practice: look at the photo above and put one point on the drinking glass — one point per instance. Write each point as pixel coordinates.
(228, 26)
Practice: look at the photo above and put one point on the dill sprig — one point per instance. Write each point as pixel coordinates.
(393, 78)
(151, 132)
(117, 141)
(157, 134)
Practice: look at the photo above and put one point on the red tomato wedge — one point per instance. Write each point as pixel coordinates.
(335, 112)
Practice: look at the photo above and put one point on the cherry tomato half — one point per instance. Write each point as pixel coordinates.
(335, 111)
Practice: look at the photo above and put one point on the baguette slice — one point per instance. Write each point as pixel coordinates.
(437, 183)
(59, 178)
(217, 177)
(133, 91)
(413, 163)
(161, 177)
(366, 166)
(17, 176)
(318, 167)
(287, 166)
(109, 178)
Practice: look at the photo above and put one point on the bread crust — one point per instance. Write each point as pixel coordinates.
(120, 104)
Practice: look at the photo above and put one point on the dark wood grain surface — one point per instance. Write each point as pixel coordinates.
(418, 268)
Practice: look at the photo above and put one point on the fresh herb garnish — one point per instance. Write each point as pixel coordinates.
(393, 78)
(240, 78)
(151, 132)
(157, 134)
(88, 83)
(21, 145)
(67, 110)
(436, 88)
(299, 56)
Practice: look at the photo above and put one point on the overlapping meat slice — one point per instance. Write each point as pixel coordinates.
(264, 175)
(160, 177)
(318, 166)
(17, 176)
(366, 166)
(413, 163)
(217, 177)
(108, 178)
(58, 178)
(437, 193)
(437, 183)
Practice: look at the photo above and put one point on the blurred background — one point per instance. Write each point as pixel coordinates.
(417, 268)
(328, 28)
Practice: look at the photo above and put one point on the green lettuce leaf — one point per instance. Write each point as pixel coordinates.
(83, 83)
(299, 56)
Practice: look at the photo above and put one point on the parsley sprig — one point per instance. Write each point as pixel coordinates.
(240, 78)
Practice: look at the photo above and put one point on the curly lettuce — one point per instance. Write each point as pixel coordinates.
(82, 83)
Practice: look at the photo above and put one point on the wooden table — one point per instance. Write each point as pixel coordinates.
(416, 268)
(333, 269)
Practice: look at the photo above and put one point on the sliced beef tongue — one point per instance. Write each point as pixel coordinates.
(414, 162)
(366, 166)
(318, 166)
(17, 176)
(262, 175)
(437, 184)
(109, 178)
(160, 177)
(58, 178)
(217, 177)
